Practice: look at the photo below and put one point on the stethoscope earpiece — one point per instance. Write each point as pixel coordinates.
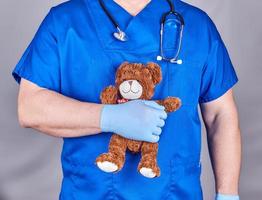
(179, 62)
(159, 58)
(120, 35)
(174, 61)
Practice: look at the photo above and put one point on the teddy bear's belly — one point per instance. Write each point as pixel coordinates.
(134, 145)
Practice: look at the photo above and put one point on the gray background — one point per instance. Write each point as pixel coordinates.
(30, 162)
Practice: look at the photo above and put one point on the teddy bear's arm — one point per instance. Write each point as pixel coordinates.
(109, 95)
(171, 104)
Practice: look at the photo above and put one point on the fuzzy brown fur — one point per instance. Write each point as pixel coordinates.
(148, 76)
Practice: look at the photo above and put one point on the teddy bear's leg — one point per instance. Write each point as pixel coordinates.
(148, 164)
(115, 158)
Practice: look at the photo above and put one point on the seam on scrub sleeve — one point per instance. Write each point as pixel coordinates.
(52, 10)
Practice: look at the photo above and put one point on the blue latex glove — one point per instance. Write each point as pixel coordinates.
(226, 197)
(138, 120)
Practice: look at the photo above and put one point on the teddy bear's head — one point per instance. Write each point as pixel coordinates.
(137, 81)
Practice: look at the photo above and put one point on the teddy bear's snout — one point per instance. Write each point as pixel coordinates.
(131, 89)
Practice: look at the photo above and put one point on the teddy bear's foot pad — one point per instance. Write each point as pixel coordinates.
(107, 166)
(147, 172)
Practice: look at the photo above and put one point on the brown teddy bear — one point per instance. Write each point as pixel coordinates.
(142, 78)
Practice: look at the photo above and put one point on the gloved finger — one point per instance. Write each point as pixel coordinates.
(154, 138)
(162, 115)
(161, 123)
(157, 131)
(153, 104)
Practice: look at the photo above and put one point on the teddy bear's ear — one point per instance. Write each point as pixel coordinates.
(124, 64)
(120, 70)
(155, 71)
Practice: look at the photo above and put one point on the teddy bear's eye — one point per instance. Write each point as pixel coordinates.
(139, 82)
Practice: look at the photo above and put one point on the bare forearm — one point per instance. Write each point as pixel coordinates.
(224, 141)
(225, 150)
(58, 115)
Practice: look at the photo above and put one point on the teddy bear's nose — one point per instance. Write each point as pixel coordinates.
(130, 82)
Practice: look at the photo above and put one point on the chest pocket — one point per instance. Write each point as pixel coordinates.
(184, 81)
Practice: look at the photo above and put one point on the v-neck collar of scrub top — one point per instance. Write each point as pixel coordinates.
(142, 29)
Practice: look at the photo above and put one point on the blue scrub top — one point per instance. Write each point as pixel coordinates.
(75, 54)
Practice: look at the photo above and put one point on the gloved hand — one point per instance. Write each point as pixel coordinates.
(226, 197)
(138, 120)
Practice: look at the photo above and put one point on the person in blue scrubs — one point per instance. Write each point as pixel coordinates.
(74, 55)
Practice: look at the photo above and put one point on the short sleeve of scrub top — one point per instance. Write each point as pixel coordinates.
(39, 63)
(218, 73)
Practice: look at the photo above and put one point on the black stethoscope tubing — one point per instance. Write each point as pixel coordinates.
(121, 35)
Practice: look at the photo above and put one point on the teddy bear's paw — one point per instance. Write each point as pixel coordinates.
(172, 104)
(109, 95)
(147, 172)
(107, 166)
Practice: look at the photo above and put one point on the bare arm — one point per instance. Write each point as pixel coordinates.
(224, 141)
(55, 114)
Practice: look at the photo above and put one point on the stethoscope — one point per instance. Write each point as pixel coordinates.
(122, 36)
